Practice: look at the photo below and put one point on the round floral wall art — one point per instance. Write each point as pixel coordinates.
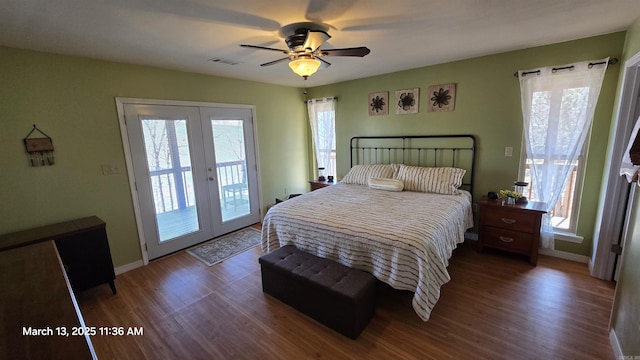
(442, 97)
(407, 101)
(379, 103)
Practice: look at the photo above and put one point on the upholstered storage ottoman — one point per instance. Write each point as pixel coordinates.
(335, 295)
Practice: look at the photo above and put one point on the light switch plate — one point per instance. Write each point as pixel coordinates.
(110, 169)
(508, 151)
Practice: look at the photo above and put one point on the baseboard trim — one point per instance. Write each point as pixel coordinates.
(128, 267)
(565, 255)
(615, 345)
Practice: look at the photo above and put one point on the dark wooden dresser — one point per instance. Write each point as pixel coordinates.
(40, 316)
(513, 228)
(82, 245)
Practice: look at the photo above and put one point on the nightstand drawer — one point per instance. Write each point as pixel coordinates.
(508, 240)
(509, 219)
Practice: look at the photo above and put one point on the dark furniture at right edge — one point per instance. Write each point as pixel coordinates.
(513, 228)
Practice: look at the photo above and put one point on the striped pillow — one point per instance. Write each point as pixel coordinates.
(360, 174)
(443, 180)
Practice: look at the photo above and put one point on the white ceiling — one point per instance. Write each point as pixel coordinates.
(402, 34)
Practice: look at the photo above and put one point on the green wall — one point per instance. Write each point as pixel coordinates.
(625, 316)
(488, 106)
(632, 41)
(72, 99)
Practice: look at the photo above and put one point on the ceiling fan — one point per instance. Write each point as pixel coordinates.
(304, 55)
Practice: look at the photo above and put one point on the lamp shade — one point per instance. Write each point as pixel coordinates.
(304, 67)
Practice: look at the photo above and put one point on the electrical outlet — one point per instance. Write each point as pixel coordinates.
(508, 151)
(110, 169)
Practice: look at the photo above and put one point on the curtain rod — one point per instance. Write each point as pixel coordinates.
(324, 98)
(611, 62)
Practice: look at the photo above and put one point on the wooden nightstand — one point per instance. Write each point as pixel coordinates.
(513, 228)
(315, 184)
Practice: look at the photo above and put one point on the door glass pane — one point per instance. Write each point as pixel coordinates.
(231, 166)
(169, 161)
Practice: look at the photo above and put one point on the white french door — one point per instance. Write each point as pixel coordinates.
(195, 173)
(231, 160)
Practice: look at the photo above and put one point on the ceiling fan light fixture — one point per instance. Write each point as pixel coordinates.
(304, 67)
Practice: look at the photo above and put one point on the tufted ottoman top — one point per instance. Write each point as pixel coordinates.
(342, 280)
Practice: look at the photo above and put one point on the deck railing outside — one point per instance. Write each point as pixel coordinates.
(170, 194)
(562, 211)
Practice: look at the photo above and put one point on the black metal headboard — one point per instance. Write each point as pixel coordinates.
(419, 150)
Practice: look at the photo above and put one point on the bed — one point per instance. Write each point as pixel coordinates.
(404, 238)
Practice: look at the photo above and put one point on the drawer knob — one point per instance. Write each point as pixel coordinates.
(506, 239)
(508, 221)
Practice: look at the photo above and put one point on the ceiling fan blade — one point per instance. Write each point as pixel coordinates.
(265, 48)
(323, 63)
(315, 38)
(274, 62)
(356, 51)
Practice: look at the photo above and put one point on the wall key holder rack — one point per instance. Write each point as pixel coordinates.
(39, 150)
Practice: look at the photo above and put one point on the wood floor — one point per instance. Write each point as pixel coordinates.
(496, 306)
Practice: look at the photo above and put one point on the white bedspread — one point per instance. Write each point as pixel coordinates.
(404, 239)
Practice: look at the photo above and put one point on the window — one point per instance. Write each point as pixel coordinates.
(322, 121)
(557, 107)
(564, 214)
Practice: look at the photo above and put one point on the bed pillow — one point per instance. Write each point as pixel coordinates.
(443, 180)
(360, 174)
(386, 184)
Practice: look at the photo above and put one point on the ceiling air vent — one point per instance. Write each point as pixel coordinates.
(223, 61)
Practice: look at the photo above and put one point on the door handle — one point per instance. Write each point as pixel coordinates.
(211, 178)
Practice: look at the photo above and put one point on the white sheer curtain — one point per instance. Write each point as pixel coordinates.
(322, 120)
(557, 107)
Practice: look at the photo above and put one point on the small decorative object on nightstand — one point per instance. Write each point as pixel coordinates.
(321, 174)
(514, 228)
(315, 185)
